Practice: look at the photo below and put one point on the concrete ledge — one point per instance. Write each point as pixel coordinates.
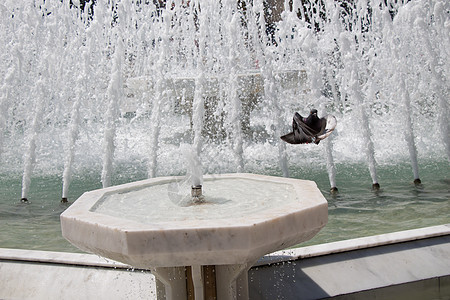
(64, 258)
(26, 279)
(434, 288)
(411, 264)
(355, 244)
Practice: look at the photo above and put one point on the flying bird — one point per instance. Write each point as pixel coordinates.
(311, 129)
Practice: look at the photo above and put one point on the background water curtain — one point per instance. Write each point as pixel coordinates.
(113, 89)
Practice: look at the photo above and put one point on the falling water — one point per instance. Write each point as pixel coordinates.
(331, 168)
(436, 66)
(409, 132)
(114, 93)
(70, 152)
(265, 57)
(194, 169)
(198, 104)
(32, 134)
(126, 83)
(74, 127)
(160, 92)
(5, 92)
(231, 68)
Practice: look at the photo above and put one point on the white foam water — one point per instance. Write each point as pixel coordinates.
(129, 82)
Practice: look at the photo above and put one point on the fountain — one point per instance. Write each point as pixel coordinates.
(241, 218)
(95, 95)
(196, 244)
(228, 87)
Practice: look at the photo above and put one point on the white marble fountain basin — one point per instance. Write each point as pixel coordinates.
(245, 217)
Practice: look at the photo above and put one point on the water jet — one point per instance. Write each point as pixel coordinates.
(197, 195)
(334, 190)
(376, 186)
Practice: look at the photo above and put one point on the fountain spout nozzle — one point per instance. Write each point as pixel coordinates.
(196, 193)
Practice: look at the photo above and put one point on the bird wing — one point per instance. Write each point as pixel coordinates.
(300, 133)
(296, 138)
(308, 129)
(328, 124)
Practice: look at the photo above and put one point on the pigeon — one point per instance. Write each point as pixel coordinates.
(311, 129)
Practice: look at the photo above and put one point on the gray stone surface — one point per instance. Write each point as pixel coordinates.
(28, 280)
(400, 269)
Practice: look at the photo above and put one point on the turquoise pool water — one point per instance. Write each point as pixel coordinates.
(355, 211)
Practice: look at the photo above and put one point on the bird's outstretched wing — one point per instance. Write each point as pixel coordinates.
(328, 125)
(296, 138)
(302, 133)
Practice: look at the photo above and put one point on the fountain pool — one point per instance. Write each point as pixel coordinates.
(222, 200)
(95, 100)
(355, 212)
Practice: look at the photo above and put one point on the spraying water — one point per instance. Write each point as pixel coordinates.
(32, 134)
(161, 93)
(114, 93)
(235, 110)
(6, 93)
(193, 181)
(90, 86)
(194, 170)
(331, 168)
(74, 127)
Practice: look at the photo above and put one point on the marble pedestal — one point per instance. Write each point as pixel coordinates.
(244, 217)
